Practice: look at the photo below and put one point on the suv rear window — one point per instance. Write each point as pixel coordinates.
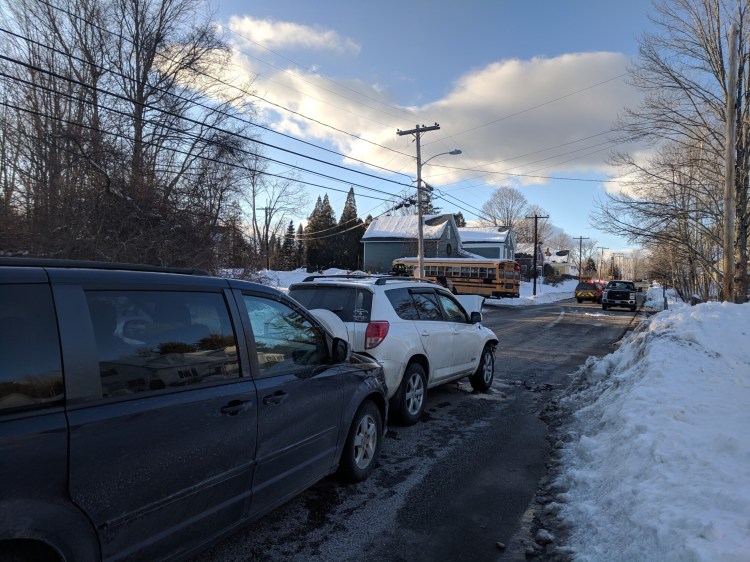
(351, 304)
(585, 287)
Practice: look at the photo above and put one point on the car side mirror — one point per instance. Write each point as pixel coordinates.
(476, 317)
(340, 350)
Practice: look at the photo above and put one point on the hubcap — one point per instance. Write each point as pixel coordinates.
(365, 441)
(414, 394)
(489, 367)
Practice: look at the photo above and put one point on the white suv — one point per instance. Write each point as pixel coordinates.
(418, 331)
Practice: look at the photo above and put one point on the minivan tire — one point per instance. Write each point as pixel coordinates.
(482, 379)
(412, 395)
(362, 448)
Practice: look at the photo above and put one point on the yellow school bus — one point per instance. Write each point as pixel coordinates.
(490, 278)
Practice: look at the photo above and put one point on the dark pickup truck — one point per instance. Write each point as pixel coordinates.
(619, 293)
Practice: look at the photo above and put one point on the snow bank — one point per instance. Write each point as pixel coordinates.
(657, 461)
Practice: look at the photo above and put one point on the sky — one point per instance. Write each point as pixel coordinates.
(528, 91)
(654, 452)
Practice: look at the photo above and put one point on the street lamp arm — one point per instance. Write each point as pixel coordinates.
(454, 152)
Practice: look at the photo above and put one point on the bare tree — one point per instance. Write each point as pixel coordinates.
(675, 201)
(127, 146)
(505, 207)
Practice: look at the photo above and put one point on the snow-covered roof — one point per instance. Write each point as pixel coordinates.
(484, 234)
(405, 227)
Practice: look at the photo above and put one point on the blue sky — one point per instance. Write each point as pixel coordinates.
(526, 89)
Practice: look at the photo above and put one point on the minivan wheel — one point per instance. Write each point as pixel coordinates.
(412, 394)
(482, 379)
(362, 446)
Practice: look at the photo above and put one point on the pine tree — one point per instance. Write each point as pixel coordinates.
(351, 234)
(460, 220)
(288, 252)
(299, 247)
(322, 233)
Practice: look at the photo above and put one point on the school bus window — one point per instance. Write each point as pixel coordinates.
(482, 272)
(474, 272)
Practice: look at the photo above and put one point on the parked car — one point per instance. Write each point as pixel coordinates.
(589, 291)
(145, 412)
(620, 293)
(418, 331)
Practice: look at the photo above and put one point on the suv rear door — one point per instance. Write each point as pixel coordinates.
(436, 334)
(166, 429)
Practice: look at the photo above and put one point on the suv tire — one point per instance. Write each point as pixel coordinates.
(362, 444)
(482, 379)
(410, 400)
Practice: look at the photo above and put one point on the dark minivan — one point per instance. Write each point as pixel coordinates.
(145, 412)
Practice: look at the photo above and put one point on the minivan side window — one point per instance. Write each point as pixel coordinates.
(149, 341)
(285, 341)
(31, 368)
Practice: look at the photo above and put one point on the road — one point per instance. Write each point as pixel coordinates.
(460, 481)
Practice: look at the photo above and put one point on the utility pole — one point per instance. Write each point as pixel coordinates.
(580, 255)
(730, 152)
(417, 131)
(536, 244)
(266, 228)
(601, 262)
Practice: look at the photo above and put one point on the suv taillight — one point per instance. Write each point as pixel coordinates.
(375, 333)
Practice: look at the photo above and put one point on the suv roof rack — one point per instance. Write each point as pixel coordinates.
(379, 279)
(89, 264)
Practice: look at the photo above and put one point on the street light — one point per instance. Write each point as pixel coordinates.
(420, 228)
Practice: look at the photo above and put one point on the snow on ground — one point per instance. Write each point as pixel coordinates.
(655, 464)
(656, 460)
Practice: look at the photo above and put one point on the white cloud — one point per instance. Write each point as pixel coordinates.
(538, 117)
(256, 34)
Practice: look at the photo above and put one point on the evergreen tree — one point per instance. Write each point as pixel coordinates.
(460, 220)
(428, 207)
(321, 227)
(288, 251)
(350, 227)
(312, 246)
(299, 247)
(326, 233)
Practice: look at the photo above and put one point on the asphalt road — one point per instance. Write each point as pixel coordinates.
(460, 481)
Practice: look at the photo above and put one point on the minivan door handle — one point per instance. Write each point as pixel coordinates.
(276, 398)
(234, 407)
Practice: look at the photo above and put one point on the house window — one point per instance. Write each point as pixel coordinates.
(448, 250)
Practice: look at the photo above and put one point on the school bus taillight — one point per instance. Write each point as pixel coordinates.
(375, 333)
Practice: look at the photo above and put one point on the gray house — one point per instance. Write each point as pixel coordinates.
(388, 238)
(493, 242)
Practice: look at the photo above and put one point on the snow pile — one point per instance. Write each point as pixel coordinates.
(656, 460)
(544, 294)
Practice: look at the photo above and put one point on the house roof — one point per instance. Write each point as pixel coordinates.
(406, 227)
(488, 234)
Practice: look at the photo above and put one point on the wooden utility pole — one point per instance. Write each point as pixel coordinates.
(580, 255)
(536, 244)
(730, 153)
(417, 131)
